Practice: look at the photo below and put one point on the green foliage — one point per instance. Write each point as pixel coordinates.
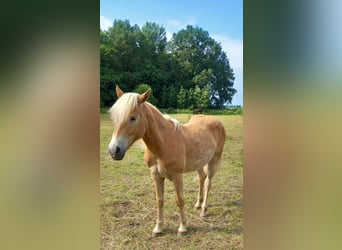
(226, 111)
(190, 71)
(172, 96)
(202, 62)
(164, 98)
(197, 96)
(182, 100)
(204, 101)
(141, 88)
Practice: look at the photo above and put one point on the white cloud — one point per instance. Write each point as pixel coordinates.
(168, 35)
(173, 26)
(105, 23)
(176, 25)
(233, 49)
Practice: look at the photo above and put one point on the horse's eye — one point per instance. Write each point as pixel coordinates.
(133, 118)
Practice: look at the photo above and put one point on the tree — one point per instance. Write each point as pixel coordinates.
(153, 68)
(204, 79)
(172, 92)
(164, 98)
(107, 76)
(195, 51)
(182, 98)
(204, 101)
(191, 99)
(197, 97)
(154, 38)
(119, 58)
(192, 65)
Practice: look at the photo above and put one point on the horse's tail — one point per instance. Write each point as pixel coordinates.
(215, 162)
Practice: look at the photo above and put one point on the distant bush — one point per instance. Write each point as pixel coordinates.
(104, 110)
(170, 111)
(227, 111)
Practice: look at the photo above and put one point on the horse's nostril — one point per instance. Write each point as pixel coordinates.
(117, 150)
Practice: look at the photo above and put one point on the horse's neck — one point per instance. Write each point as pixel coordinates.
(157, 129)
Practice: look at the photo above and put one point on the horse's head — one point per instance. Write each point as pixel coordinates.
(129, 120)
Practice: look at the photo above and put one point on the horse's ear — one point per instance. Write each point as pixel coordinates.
(144, 96)
(119, 92)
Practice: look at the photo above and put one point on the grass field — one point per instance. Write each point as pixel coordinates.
(128, 206)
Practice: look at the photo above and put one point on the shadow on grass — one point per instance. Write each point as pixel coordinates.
(192, 230)
(214, 209)
(195, 231)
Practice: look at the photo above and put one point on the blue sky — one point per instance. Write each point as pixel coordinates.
(223, 19)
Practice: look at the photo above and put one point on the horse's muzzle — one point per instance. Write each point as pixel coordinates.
(118, 153)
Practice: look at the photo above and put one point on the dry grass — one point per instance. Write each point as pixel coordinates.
(128, 207)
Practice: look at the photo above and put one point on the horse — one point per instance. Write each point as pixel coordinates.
(197, 111)
(171, 148)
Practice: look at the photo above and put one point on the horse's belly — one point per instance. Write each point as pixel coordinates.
(199, 160)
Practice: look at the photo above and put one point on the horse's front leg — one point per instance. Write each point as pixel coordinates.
(158, 181)
(178, 183)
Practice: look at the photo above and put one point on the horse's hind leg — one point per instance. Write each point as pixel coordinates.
(213, 166)
(201, 177)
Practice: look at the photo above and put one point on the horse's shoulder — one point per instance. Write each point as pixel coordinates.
(149, 158)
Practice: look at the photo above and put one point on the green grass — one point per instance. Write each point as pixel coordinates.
(128, 206)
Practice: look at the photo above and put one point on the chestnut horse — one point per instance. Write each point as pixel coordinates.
(172, 148)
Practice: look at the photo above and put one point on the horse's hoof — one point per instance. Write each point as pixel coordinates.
(203, 215)
(180, 234)
(198, 205)
(156, 234)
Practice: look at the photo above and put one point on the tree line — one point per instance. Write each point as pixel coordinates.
(189, 71)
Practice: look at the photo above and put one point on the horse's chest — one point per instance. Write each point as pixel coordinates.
(171, 165)
(163, 172)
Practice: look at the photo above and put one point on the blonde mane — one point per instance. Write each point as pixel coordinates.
(123, 107)
(174, 121)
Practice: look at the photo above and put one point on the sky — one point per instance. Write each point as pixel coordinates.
(223, 19)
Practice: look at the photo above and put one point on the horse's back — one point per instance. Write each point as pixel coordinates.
(208, 123)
